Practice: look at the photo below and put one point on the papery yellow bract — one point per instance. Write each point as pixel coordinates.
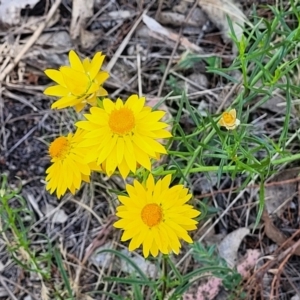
(68, 168)
(229, 120)
(79, 83)
(156, 216)
(123, 135)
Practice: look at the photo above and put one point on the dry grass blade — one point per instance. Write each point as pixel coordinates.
(152, 56)
(218, 10)
(82, 10)
(31, 41)
(156, 28)
(97, 242)
(173, 53)
(126, 40)
(9, 292)
(276, 235)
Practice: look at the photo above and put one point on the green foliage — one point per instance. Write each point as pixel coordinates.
(267, 60)
(268, 63)
(15, 221)
(231, 279)
(15, 229)
(173, 84)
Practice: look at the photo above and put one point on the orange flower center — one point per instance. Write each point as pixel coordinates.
(152, 214)
(60, 148)
(228, 118)
(121, 121)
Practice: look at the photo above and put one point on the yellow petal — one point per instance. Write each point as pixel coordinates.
(154, 248)
(119, 103)
(77, 82)
(233, 113)
(101, 77)
(221, 122)
(165, 182)
(135, 103)
(142, 158)
(147, 243)
(120, 150)
(75, 62)
(96, 64)
(56, 90)
(108, 105)
(139, 142)
(86, 64)
(65, 102)
(150, 182)
(93, 88)
(79, 107)
(55, 76)
(101, 92)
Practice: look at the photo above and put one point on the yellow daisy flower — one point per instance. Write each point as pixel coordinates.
(68, 168)
(79, 83)
(156, 216)
(229, 120)
(123, 135)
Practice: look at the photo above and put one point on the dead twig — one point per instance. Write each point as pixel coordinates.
(232, 90)
(258, 276)
(99, 240)
(3, 281)
(291, 283)
(163, 80)
(126, 40)
(9, 292)
(252, 186)
(158, 11)
(30, 132)
(276, 279)
(231, 204)
(139, 69)
(31, 41)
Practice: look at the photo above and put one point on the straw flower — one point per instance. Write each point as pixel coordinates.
(68, 168)
(123, 135)
(229, 120)
(156, 216)
(79, 83)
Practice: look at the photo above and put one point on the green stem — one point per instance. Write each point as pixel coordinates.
(283, 50)
(165, 276)
(199, 169)
(268, 65)
(188, 168)
(285, 159)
